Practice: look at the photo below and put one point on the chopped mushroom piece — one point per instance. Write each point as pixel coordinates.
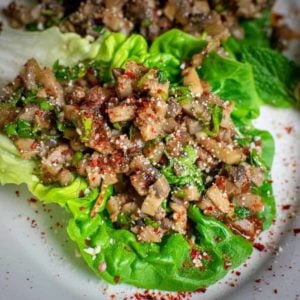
(27, 147)
(219, 199)
(157, 193)
(7, 114)
(130, 208)
(139, 163)
(93, 171)
(240, 175)
(209, 208)
(150, 234)
(197, 109)
(192, 80)
(65, 177)
(223, 152)
(226, 121)
(154, 152)
(257, 175)
(150, 118)
(55, 160)
(140, 182)
(188, 193)
(150, 82)
(251, 201)
(121, 113)
(179, 217)
(114, 205)
(246, 228)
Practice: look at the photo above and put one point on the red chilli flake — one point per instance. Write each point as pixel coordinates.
(258, 280)
(32, 200)
(116, 279)
(195, 253)
(286, 206)
(227, 265)
(296, 231)
(275, 291)
(220, 182)
(130, 74)
(259, 247)
(288, 129)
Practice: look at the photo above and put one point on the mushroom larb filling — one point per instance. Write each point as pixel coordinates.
(150, 18)
(162, 147)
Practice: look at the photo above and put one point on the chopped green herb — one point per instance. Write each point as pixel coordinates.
(146, 23)
(256, 160)
(11, 129)
(77, 157)
(242, 212)
(61, 126)
(189, 172)
(65, 73)
(117, 125)
(216, 118)
(32, 27)
(244, 142)
(165, 206)
(162, 76)
(151, 222)
(20, 128)
(100, 29)
(182, 94)
(87, 126)
(123, 219)
(45, 105)
(180, 193)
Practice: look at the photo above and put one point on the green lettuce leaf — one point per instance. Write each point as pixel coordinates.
(178, 43)
(46, 47)
(215, 235)
(266, 160)
(232, 81)
(165, 266)
(116, 49)
(168, 63)
(134, 47)
(13, 169)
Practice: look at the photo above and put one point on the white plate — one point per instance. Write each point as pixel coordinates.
(38, 261)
